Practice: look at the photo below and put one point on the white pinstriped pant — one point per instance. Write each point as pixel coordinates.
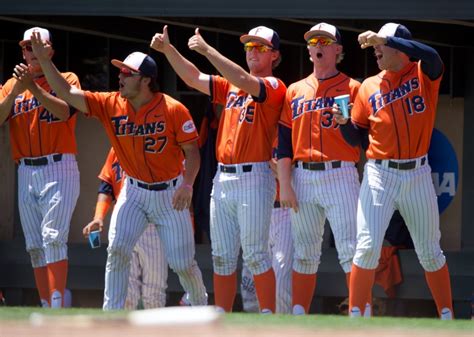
(281, 249)
(411, 192)
(135, 208)
(148, 272)
(333, 194)
(47, 196)
(241, 206)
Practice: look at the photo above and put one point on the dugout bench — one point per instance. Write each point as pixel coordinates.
(86, 273)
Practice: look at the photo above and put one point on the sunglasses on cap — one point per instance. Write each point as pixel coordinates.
(127, 72)
(261, 48)
(322, 40)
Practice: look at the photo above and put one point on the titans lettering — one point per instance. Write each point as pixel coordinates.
(379, 100)
(299, 106)
(124, 128)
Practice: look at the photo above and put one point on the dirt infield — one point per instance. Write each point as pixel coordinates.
(119, 328)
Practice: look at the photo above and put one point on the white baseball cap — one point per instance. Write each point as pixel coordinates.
(44, 34)
(396, 30)
(323, 29)
(264, 35)
(138, 62)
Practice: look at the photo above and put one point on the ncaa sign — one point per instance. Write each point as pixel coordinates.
(444, 169)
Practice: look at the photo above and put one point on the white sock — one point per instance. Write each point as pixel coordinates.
(368, 310)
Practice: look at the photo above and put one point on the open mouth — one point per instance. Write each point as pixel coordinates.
(319, 55)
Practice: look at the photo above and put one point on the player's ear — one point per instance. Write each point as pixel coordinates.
(146, 80)
(275, 55)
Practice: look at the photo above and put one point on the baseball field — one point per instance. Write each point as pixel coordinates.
(25, 321)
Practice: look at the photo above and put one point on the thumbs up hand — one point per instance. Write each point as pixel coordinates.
(198, 44)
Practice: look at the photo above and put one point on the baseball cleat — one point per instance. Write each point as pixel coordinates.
(298, 310)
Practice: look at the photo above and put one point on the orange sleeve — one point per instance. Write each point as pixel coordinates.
(112, 173)
(359, 112)
(6, 88)
(98, 103)
(275, 92)
(185, 129)
(219, 89)
(72, 79)
(286, 110)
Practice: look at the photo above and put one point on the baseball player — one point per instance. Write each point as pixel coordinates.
(149, 268)
(151, 134)
(280, 247)
(316, 167)
(44, 146)
(396, 111)
(244, 187)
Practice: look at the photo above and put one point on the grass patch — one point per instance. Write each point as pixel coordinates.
(345, 323)
(23, 313)
(316, 322)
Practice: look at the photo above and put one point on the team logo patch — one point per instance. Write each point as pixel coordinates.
(273, 82)
(189, 127)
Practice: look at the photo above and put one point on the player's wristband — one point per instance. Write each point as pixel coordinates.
(102, 208)
(187, 186)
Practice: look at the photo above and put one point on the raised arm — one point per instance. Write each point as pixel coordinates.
(7, 103)
(431, 62)
(63, 89)
(55, 105)
(234, 73)
(188, 72)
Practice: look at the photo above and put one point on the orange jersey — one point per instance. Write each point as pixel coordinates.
(112, 173)
(247, 128)
(34, 131)
(147, 142)
(399, 110)
(307, 111)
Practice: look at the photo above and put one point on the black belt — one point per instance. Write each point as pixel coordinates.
(408, 165)
(41, 160)
(153, 187)
(320, 166)
(276, 204)
(233, 168)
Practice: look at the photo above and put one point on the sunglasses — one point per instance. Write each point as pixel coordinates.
(261, 48)
(126, 72)
(323, 41)
(28, 47)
